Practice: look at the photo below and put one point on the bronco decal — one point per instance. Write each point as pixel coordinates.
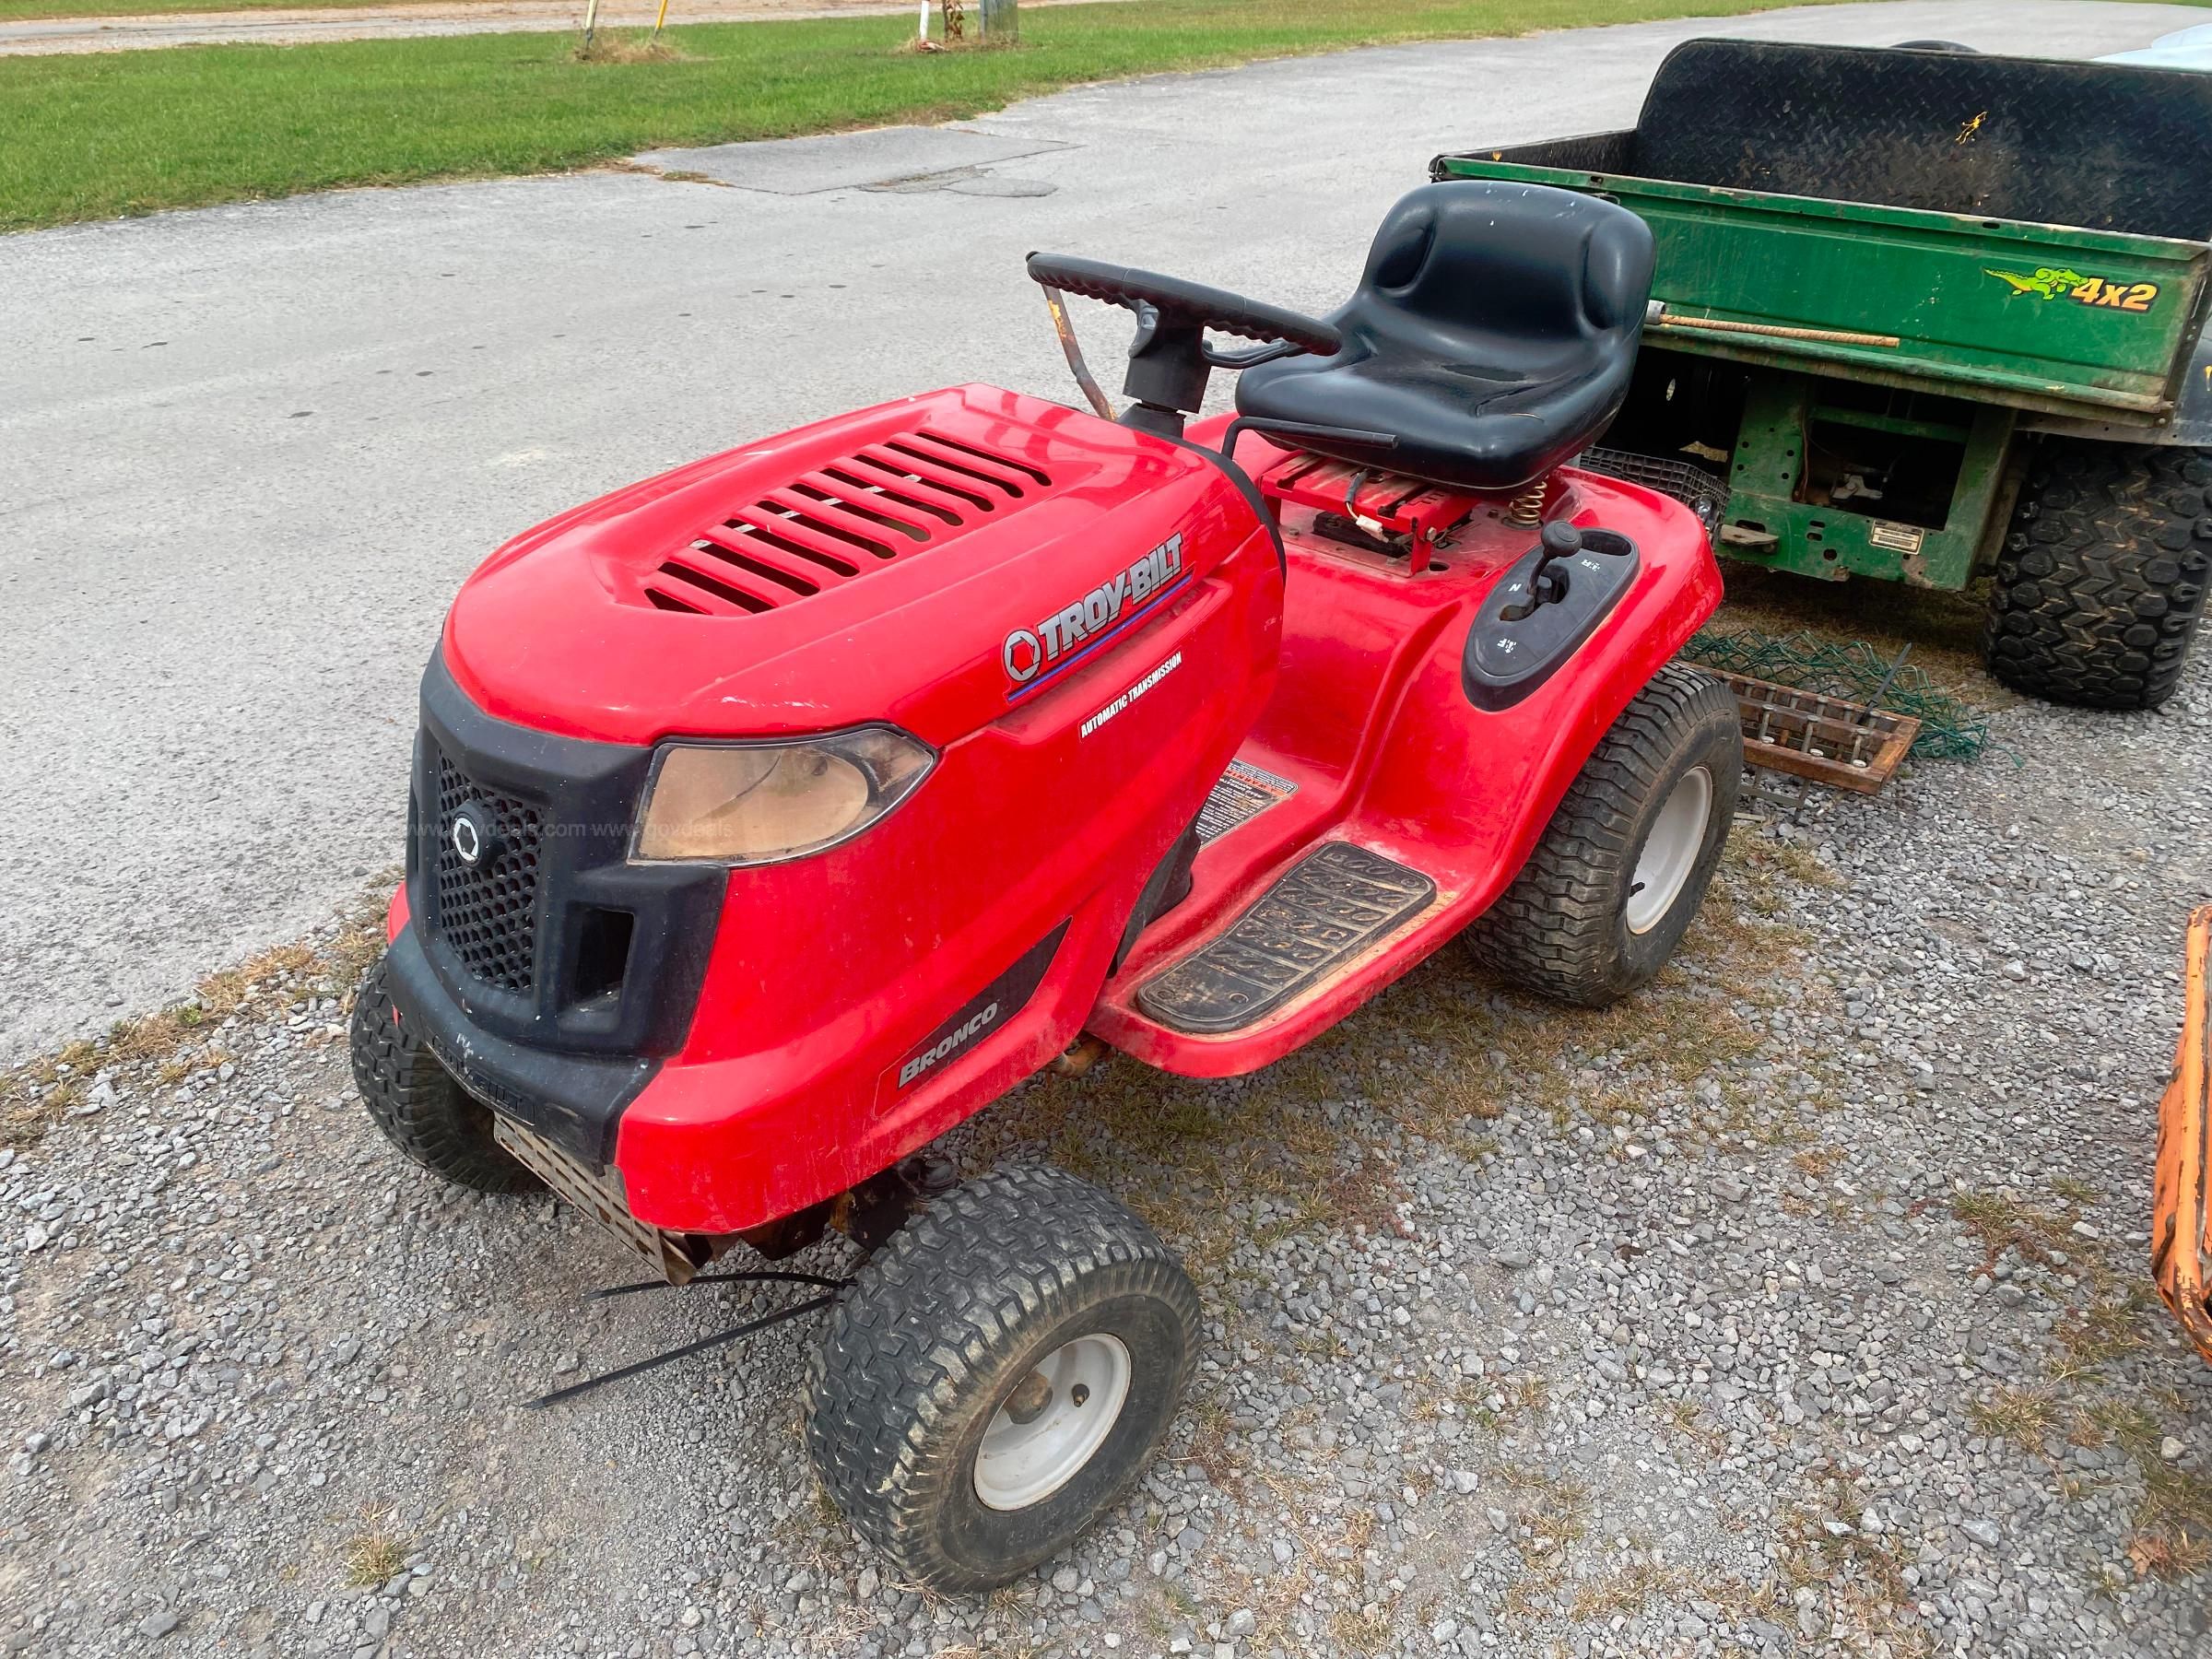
(978, 1017)
(1033, 656)
(2052, 282)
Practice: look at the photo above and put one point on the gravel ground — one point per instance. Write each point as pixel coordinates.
(1798, 1306)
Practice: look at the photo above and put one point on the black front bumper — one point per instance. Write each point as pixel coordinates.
(574, 1100)
(549, 973)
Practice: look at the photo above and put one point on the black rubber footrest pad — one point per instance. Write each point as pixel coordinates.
(1327, 908)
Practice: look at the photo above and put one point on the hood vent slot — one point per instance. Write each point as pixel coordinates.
(1002, 470)
(726, 549)
(832, 525)
(851, 519)
(698, 583)
(871, 473)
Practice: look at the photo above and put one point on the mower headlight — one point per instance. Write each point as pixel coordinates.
(760, 803)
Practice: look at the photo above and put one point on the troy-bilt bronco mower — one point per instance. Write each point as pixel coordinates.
(773, 816)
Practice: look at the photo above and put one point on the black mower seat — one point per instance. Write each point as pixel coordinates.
(1492, 335)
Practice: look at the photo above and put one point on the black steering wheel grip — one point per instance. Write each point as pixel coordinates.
(1190, 302)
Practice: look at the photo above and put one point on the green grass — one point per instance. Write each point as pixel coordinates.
(120, 133)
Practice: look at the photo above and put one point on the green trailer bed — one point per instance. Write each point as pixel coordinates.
(1890, 284)
(2092, 323)
(2026, 233)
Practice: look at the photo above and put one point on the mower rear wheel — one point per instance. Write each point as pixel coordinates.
(417, 1103)
(1623, 865)
(997, 1376)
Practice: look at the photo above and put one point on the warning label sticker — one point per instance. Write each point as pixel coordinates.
(1244, 791)
(1898, 538)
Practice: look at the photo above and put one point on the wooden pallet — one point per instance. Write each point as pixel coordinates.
(1827, 739)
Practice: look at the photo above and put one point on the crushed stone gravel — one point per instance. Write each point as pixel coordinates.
(1798, 1306)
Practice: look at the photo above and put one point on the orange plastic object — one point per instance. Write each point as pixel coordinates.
(2181, 1247)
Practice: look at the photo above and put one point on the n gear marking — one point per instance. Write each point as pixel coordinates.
(1031, 655)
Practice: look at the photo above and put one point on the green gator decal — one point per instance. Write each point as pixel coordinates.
(2052, 282)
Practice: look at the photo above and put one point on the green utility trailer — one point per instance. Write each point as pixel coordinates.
(1921, 315)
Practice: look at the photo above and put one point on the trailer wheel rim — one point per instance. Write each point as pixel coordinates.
(1670, 851)
(1053, 1422)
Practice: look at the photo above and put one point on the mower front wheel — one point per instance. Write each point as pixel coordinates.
(417, 1103)
(1623, 865)
(997, 1376)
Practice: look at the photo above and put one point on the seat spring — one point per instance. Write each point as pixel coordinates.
(1525, 511)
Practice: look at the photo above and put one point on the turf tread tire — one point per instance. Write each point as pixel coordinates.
(1560, 928)
(939, 1325)
(2101, 581)
(416, 1102)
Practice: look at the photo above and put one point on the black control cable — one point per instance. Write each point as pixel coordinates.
(830, 1286)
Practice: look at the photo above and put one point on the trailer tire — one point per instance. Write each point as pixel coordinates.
(417, 1103)
(1568, 926)
(2102, 579)
(948, 1331)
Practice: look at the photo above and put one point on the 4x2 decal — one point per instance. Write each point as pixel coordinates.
(2052, 282)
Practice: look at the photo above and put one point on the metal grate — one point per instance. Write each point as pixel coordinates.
(1829, 739)
(839, 521)
(1696, 489)
(597, 1191)
(488, 911)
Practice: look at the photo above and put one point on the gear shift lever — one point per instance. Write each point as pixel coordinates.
(1560, 540)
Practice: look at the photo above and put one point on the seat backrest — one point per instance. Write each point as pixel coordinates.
(1508, 261)
(1492, 335)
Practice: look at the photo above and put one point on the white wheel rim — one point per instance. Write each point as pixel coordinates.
(1670, 851)
(1076, 1394)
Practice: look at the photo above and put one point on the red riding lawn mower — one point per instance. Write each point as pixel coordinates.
(773, 816)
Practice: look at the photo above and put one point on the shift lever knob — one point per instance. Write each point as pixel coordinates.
(1560, 540)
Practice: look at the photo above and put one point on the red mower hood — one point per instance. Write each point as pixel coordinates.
(922, 562)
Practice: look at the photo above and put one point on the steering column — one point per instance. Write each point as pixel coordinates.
(1169, 361)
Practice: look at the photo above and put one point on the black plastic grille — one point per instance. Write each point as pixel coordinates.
(488, 911)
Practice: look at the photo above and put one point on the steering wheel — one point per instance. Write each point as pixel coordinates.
(1174, 305)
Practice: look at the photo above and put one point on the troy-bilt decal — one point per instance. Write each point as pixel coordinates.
(1033, 656)
(1130, 696)
(981, 1015)
(2056, 283)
